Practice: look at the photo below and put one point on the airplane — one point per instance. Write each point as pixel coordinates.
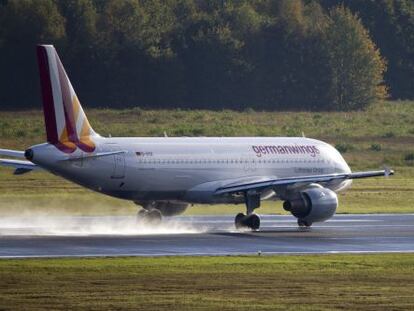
(164, 175)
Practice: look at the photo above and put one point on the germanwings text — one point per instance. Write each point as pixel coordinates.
(286, 149)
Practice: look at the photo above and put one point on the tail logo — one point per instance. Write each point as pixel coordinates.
(67, 126)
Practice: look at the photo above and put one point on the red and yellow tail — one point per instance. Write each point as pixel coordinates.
(66, 124)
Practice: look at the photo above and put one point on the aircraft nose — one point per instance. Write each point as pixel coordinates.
(343, 166)
(28, 154)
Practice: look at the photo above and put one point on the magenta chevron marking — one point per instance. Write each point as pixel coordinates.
(47, 95)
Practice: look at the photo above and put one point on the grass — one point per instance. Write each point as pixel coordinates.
(382, 135)
(324, 282)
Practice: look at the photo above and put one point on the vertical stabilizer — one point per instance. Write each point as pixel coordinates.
(66, 124)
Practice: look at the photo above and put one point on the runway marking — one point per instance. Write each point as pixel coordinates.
(218, 254)
(279, 215)
(278, 221)
(347, 226)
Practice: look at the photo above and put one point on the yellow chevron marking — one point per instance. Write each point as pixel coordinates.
(86, 128)
(85, 134)
(76, 107)
(64, 140)
(64, 137)
(69, 145)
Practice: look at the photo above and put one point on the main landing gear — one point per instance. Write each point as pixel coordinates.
(249, 220)
(152, 216)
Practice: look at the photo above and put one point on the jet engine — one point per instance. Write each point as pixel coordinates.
(314, 204)
(166, 208)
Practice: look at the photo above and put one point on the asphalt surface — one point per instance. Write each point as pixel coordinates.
(202, 235)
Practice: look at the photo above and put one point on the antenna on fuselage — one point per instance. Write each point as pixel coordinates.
(303, 134)
(165, 134)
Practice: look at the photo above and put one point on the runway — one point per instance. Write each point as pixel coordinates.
(202, 235)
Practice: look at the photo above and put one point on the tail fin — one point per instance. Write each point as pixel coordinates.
(66, 124)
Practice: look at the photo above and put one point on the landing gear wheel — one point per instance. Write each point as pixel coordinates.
(251, 221)
(141, 213)
(152, 217)
(304, 224)
(238, 221)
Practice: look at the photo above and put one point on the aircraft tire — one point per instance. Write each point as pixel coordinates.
(153, 216)
(141, 213)
(251, 221)
(304, 224)
(238, 221)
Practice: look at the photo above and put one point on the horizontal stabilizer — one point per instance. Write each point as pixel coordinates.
(21, 167)
(21, 171)
(12, 153)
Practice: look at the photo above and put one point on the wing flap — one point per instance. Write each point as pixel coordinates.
(289, 181)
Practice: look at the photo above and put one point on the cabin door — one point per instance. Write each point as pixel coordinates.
(119, 165)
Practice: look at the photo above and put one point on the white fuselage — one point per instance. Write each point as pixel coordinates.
(190, 169)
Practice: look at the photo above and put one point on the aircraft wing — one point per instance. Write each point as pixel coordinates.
(21, 167)
(302, 180)
(12, 153)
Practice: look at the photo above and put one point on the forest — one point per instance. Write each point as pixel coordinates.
(270, 55)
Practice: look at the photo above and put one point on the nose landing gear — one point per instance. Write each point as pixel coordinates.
(304, 224)
(250, 220)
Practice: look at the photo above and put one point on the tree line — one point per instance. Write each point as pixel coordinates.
(214, 54)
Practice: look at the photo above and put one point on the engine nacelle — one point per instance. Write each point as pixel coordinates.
(165, 207)
(314, 204)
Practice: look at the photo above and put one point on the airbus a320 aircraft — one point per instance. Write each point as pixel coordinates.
(164, 175)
